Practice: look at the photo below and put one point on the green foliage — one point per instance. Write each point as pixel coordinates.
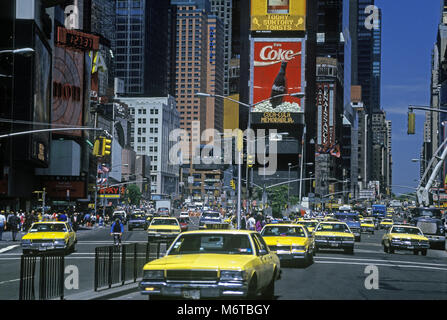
(277, 198)
(134, 194)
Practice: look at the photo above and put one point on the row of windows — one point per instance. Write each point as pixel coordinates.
(151, 139)
(152, 121)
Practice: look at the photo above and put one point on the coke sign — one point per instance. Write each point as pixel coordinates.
(277, 71)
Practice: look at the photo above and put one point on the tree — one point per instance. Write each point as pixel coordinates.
(134, 194)
(278, 199)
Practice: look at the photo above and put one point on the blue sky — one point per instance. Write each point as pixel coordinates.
(409, 33)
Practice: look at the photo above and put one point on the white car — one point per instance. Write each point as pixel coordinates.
(184, 214)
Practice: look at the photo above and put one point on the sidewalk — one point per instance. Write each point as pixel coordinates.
(103, 294)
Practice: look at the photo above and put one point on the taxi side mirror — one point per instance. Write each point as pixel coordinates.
(262, 252)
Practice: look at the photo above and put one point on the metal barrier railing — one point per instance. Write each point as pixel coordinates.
(118, 265)
(27, 274)
(50, 277)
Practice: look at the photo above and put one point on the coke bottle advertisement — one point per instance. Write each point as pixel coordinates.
(277, 72)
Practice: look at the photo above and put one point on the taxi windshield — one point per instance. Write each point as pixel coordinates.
(406, 230)
(308, 224)
(283, 231)
(212, 243)
(167, 222)
(136, 216)
(48, 227)
(333, 227)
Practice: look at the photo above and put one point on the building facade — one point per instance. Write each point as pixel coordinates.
(154, 120)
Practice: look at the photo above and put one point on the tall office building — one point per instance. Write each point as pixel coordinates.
(376, 65)
(144, 47)
(223, 9)
(199, 66)
(154, 119)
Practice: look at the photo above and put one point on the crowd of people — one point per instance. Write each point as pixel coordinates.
(20, 221)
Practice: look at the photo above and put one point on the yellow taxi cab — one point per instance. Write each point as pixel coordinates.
(291, 242)
(385, 223)
(330, 218)
(310, 224)
(163, 228)
(213, 264)
(367, 225)
(334, 235)
(405, 237)
(49, 236)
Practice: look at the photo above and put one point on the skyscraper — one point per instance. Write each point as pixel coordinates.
(144, 47)
(223, 10)
(199, 65)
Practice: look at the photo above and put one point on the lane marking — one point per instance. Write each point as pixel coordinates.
(8, 248)
(382, 260)
(7, 281)
(381, 264)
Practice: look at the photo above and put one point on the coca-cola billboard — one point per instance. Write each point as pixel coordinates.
(277, 71)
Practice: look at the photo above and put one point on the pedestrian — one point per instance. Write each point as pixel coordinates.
(62, 217)
(22, 221)
(258, 223)
(2, 223)
(251, 222)
(14, 224)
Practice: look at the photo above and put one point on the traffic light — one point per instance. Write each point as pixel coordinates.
(250, 160)
(97, 148)
(106, 147)
(411, 122)
(233, 185)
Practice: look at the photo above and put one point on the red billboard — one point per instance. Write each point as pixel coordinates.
(277, 70)
(68, 89)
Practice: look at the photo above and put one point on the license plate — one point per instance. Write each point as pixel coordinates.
(191, 294)
(410, 247)
(333, 244)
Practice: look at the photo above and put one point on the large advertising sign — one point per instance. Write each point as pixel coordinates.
(42, 100)
(326, 114)
(278, 15)
(277, 70)
(68, 90)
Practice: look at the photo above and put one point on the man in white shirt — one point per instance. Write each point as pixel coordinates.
(2, 224)
(251, 223)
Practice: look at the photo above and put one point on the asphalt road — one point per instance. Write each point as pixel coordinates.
(333, 275)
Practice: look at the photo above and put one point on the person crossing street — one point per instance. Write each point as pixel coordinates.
(14, 224)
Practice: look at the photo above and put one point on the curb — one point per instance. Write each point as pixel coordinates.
(105, 294)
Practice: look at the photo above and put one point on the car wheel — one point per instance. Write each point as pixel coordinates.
(391, 249)
(310, 259)
(424, 252)
(252, 287)
(269, 292)
(349, 251)
(385, 249)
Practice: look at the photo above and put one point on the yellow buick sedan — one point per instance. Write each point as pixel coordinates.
(49, 236)
(291, 242)
(213, 264)
(405, 237)
(163, 228)
(334, 235)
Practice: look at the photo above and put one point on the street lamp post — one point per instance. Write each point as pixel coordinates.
(249, 106)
